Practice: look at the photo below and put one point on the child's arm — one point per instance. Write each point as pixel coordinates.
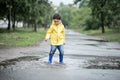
(48, 34)
(64, 34)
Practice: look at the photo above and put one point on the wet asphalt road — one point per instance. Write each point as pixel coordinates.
(86, 58)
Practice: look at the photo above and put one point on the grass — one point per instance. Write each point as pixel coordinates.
(21, 37)
(109, 35)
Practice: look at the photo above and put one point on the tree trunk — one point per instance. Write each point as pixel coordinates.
(35, 26)
(13, 25)
(102, 15)
(9, 20)
(8, 28)
(102, 22)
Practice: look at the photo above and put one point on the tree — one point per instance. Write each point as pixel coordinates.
(113, 15)
(65, 11)
(99, 11)
(10, 9)
(5, 11)
(106, 11)
(73, 17)
(39, 12)
(28, 11)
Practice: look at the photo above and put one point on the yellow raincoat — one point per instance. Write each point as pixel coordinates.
(56, 34)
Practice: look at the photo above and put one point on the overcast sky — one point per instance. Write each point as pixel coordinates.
(57, 2)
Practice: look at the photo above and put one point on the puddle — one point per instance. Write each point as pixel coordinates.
(9, 62)
(70, 62)
(96, 45)
(96, 62)
(98, 40)
(102, 44)
(113, 48)
(103, 64)
(37, 63)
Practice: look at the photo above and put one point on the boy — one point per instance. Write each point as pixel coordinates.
(56, 34)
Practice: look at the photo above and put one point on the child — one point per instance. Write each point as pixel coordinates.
(56, 34)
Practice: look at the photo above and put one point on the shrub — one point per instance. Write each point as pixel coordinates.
(92, 24)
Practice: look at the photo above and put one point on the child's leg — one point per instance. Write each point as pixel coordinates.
(52, 51)
(61, 51)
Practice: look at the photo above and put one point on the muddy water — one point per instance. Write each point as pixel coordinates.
(70, 62)
(75, 67)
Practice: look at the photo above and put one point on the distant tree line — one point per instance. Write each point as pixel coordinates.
(104, 13)
(30, 12)
(92, 14)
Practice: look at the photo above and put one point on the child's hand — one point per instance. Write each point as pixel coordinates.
(46, 40)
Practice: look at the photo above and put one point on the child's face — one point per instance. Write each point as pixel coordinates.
(57, 21)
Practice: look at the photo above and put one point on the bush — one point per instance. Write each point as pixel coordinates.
(92, 24)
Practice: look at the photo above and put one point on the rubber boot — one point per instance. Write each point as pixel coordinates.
(50, 59)
(60, 58)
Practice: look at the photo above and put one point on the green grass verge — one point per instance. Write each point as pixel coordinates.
(21, 37)
(109, 35)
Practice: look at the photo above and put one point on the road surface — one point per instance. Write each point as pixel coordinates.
(86, 58)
